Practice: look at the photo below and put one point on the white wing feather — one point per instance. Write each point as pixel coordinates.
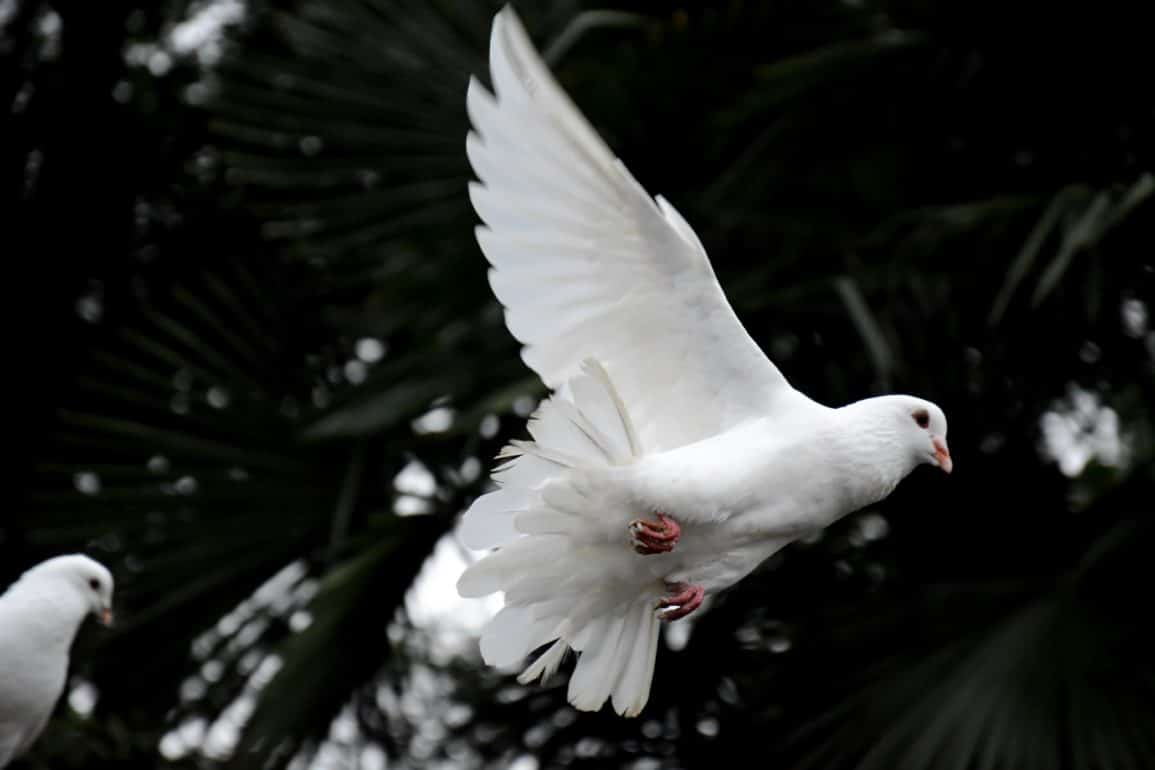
(588, 265)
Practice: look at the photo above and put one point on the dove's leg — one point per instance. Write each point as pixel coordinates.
(683, 598)
(648, 537)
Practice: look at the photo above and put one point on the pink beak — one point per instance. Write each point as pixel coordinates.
(106, 617)
(942, 454)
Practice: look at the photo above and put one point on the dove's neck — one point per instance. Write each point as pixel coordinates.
(871, 451)
(49, 612)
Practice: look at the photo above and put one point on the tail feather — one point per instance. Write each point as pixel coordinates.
(633, 687)
(512, 634)
(592, 680)
(619, 664)
(569, 499)
(489, 521)
(544, 584)
(546, 521)
(564, 581)
(524, 556)
(527, 471)
(546, 664)
(583, 616)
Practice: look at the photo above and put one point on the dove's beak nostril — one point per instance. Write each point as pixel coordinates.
(942, 455)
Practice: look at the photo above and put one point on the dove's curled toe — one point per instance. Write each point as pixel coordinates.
(654, 537)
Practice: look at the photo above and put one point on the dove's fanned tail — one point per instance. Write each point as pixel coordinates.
(562, 559)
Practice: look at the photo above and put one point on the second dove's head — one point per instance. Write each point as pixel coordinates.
(87, 577)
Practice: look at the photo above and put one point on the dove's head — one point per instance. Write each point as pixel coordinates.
(921, 427)
(83, 578)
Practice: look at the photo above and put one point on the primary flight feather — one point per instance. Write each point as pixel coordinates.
(673, 456)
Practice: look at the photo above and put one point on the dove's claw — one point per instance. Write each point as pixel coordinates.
(649, 538)
(683, 599)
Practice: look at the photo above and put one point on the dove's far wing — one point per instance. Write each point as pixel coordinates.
(588, 265)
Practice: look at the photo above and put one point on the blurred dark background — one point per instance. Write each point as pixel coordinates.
(258, 373)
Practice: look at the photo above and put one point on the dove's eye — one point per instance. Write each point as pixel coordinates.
(94, 584)
(922, 418)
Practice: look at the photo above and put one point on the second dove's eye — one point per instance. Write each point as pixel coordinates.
(922, 418)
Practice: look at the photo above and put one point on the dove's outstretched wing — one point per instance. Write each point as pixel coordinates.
(588, 265)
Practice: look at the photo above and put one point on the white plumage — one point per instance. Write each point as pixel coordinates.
(663, 404)
(39, 617)
(590, 266)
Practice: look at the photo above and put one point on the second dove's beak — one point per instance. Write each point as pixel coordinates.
(942, 454)
(106, 616)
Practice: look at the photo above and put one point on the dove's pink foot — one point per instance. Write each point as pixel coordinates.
(649, 538)
(683, 598)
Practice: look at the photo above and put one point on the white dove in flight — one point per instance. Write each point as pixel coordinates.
(39, 617)
(673, 456)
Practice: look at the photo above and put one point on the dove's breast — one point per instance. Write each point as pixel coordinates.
(30, 684)
(741, 496)
(758, 478)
